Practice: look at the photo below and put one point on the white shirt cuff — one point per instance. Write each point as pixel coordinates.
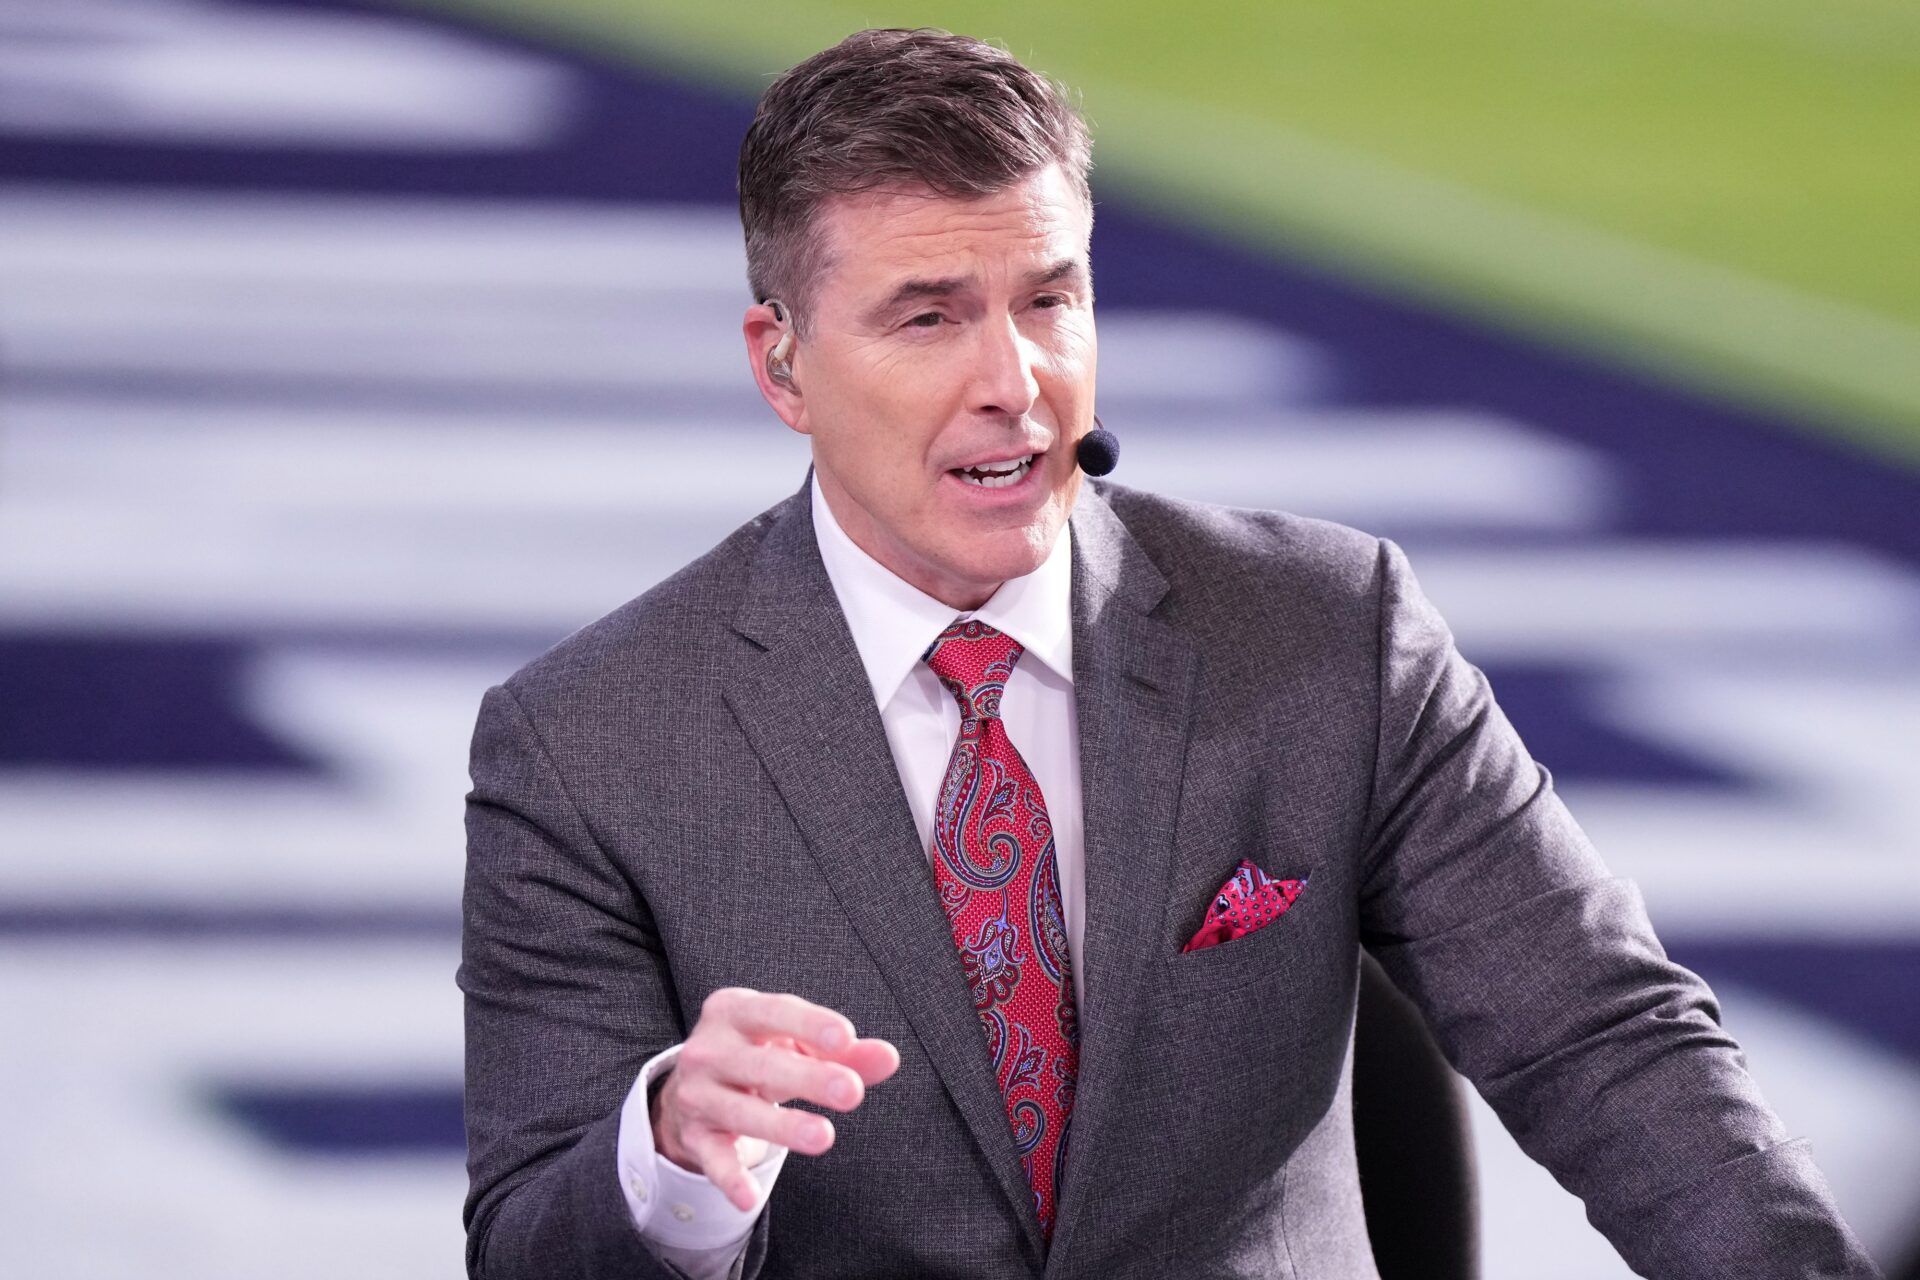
(675, 1206)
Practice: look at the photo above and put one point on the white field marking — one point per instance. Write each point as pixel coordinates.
(270, 460)
(172, 70)
(467, 345)
(518, 336)
(116, 1164)
(1853, 1099)
(1368, 467)
(1205, 357)
(1433, 466)
(1657, 597)
(440, 465)
(159, 565)
(383, 830)
(1832, 841)
(408, 291)
(227, 570)
(146, 566)
(188, 250)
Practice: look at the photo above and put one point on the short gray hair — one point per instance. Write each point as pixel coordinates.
(885, 109)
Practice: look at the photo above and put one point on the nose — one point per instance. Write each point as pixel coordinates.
(1004, 363)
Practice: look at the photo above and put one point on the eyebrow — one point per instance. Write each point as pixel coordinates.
(914, 290)
(1060, 270)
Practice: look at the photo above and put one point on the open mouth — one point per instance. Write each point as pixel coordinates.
(996, 475)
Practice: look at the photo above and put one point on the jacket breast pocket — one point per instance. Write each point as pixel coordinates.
(1238, 962)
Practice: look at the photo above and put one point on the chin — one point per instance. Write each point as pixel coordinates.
(1016, 553)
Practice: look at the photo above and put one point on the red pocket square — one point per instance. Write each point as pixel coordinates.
(1249, 900)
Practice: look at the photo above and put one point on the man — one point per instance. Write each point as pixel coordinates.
(1032, 827)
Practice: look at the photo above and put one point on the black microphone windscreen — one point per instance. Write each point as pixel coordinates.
(1098, 452)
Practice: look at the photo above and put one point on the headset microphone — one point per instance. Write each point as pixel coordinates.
(1098, 451)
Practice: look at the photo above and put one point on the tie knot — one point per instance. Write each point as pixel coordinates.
(973, 661)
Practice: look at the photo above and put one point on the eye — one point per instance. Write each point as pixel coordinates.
(1050, 301)
(926, 320)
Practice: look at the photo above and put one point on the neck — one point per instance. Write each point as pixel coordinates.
(961, 595)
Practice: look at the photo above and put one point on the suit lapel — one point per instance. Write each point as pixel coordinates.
(1133, 686)
(802, 697)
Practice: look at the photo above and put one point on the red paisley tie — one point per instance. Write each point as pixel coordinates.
(1000, 885)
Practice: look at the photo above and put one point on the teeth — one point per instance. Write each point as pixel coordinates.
(987, 479)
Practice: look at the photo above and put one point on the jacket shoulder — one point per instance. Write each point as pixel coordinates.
(1239, 557)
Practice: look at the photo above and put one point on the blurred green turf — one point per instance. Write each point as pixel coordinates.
(1721, 192)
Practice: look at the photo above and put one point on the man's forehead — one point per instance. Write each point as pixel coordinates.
(887, 236)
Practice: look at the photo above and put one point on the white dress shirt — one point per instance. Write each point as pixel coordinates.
(699, 1230)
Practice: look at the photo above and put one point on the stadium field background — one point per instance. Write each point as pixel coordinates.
(1720, 192)
(354, 352)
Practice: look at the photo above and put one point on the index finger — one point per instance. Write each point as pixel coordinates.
(764, 1015)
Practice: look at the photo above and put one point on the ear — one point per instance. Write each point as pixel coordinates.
(763, 328)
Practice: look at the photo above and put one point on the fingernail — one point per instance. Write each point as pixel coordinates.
(841, 1092)
(832, 1037)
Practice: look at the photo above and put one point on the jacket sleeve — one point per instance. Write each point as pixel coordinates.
(1544, 984)
(567, 994)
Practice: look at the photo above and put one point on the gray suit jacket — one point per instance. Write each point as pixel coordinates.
(696, 791)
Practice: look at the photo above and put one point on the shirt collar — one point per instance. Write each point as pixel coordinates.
(893, 622)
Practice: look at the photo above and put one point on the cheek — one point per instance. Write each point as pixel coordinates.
(1067, 493)
(1069, 355)
(877, 418)
(925, 391)
(911, 399)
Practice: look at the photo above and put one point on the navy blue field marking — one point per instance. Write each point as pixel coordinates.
(347, 1120)
(174, 702)
(554, 402)
(629, 138)
(1873, 988)
(1553, 706)
(101, 702)
(174, 923)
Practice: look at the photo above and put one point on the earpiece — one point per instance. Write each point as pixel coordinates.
(778, 366)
